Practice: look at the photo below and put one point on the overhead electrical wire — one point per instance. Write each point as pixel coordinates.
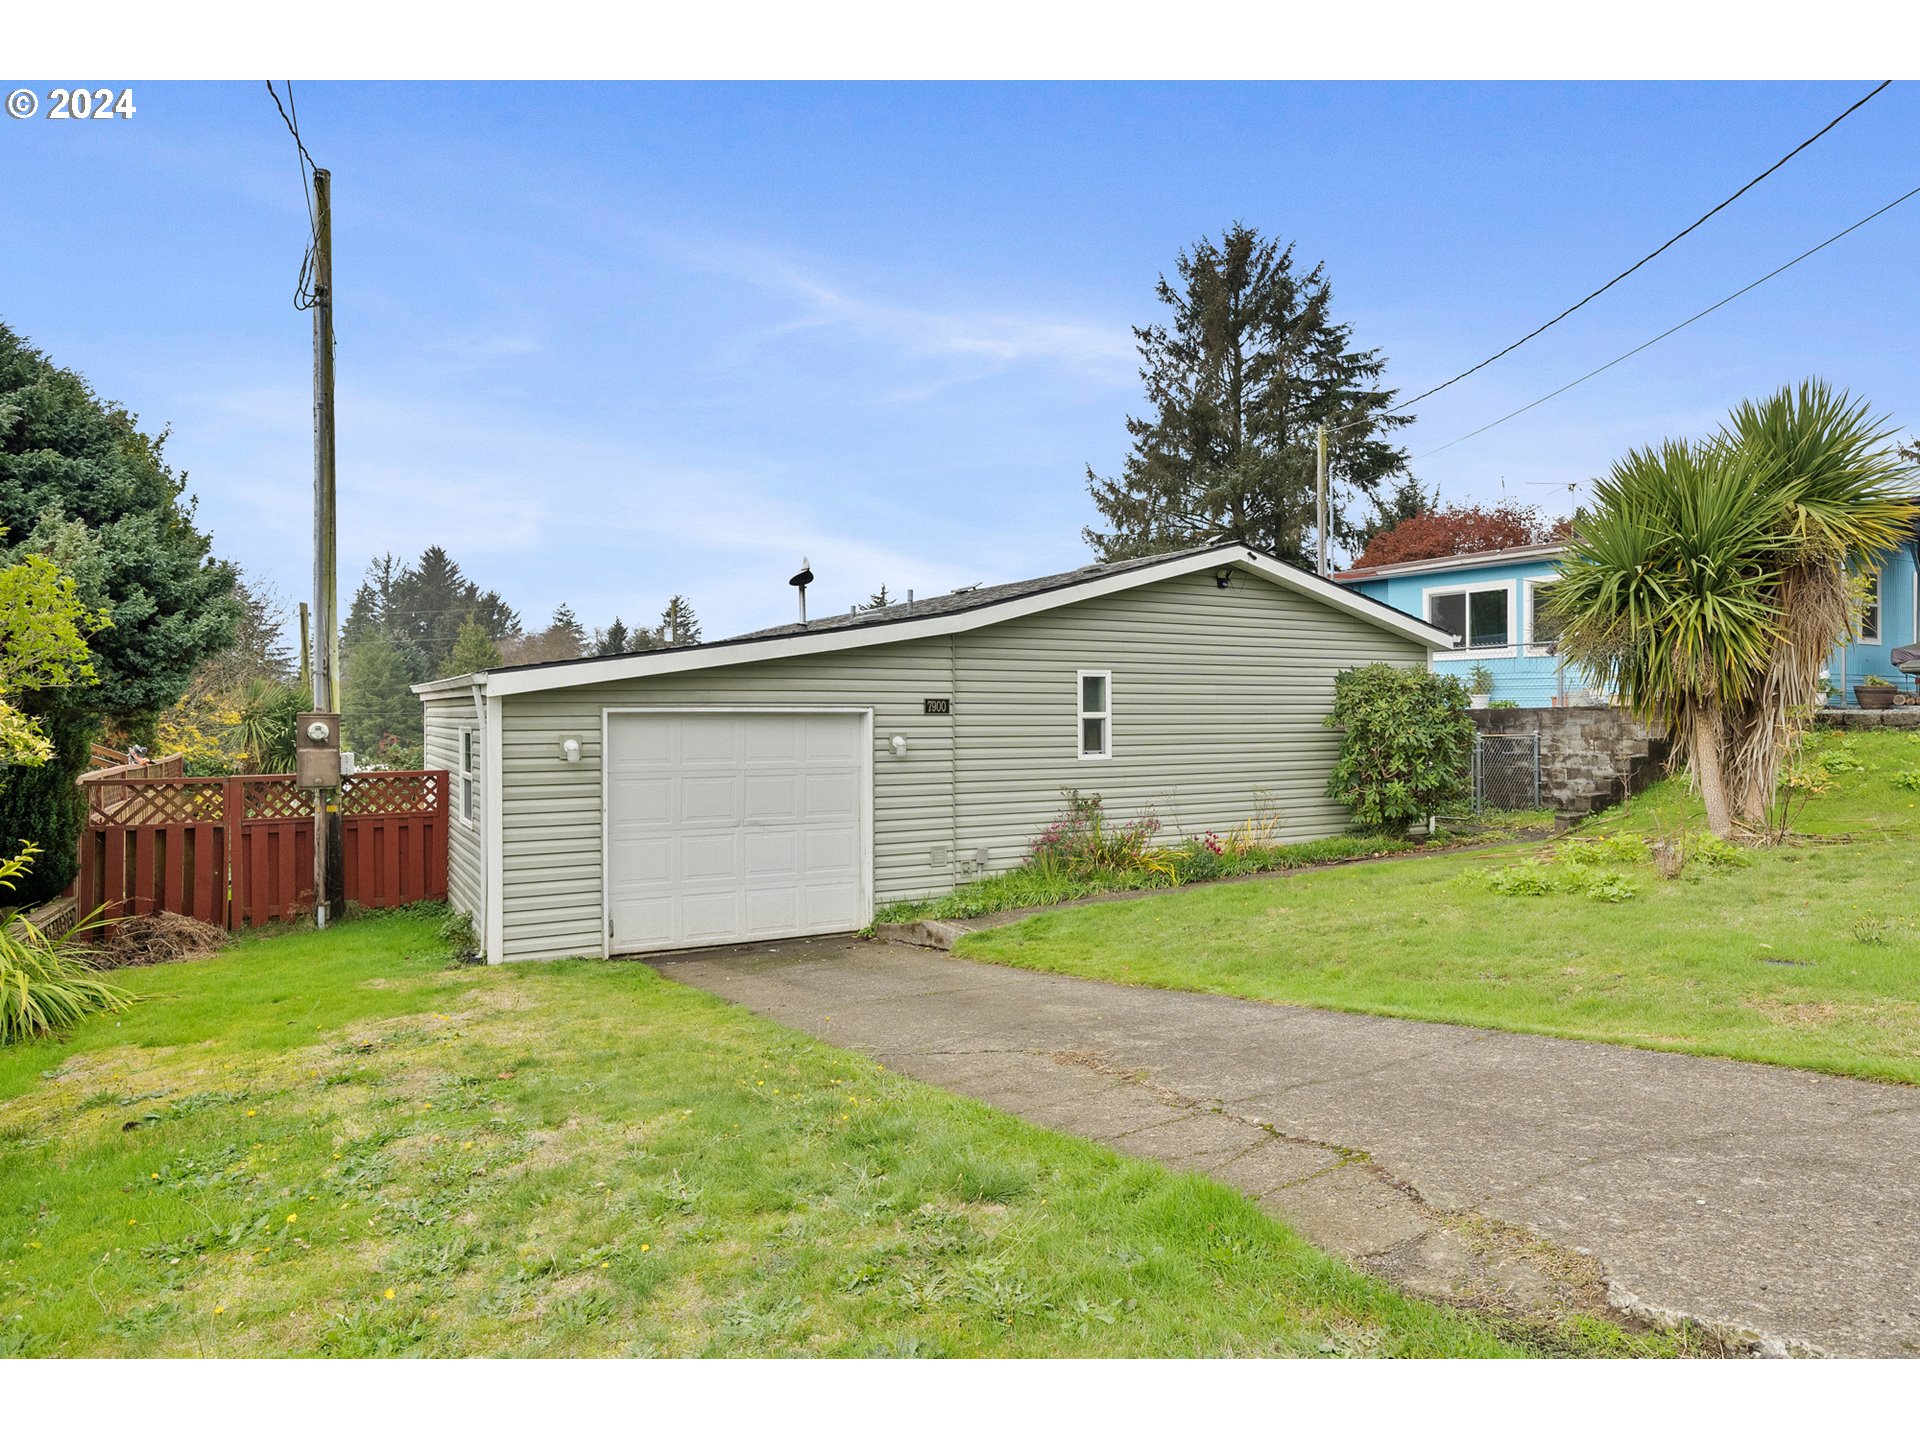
(1651, 254)
(1701, 315)
(303, 296)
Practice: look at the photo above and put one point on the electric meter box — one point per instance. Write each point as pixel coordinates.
(316, 752)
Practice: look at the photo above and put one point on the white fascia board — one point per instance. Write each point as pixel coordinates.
(705, 657)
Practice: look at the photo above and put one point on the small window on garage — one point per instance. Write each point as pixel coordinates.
(1096, 714)
(469, 763)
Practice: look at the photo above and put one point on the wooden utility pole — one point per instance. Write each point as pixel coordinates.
(328, 880)
(1320, 509)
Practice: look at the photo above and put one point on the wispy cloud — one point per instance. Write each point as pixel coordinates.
(969, 342)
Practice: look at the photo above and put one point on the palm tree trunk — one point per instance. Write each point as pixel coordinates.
(1709, 767)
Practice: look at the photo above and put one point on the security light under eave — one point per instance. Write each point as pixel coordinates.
(1223, 576)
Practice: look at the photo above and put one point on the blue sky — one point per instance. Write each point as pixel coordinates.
(609, 342)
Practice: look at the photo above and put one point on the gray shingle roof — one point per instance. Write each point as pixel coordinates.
(970, 598)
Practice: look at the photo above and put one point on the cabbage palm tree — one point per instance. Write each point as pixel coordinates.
(1711, 580)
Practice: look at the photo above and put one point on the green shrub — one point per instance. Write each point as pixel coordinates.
(1709, 850)
(46, 982)
(1568, 873)
(1408, 745)
(1611, 849)
(1907, 779)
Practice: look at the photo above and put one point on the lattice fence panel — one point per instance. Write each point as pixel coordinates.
(276, 797)
(156, 802)
(392, 792)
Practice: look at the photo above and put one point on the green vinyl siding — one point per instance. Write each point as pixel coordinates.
(445, 717)
(1217, 701)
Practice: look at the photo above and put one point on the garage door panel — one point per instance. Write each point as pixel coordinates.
(734, 826)
(710, 919)
(826, 742)
(707, 859)
(773, 912)
(773, 854)
(709, 800)
(828, 907)
(639, 799)
(773, 799)
(831, 854)
(773, 740)
(716, 739)
(833, 796)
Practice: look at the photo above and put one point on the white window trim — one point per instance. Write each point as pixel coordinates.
(1527, 587)
(1081, 714)
(1879, 612)
(1481, 652)
(466, 740)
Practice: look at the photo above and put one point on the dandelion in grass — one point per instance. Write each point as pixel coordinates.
(389, 1294)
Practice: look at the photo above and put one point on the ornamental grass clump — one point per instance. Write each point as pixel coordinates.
(47, 983)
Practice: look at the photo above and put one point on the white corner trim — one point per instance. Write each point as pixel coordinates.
(704, 657)
(493, 815)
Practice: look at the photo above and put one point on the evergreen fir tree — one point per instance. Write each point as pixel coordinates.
(376, 698)
(879, 600)
(614, 640)
(566, 623)
(1249, 362)
(473, 650)
(678, 625)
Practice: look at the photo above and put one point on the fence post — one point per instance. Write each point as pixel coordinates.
(1536, 770)
(233, 815)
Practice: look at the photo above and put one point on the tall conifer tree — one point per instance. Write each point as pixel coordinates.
(1249, 361)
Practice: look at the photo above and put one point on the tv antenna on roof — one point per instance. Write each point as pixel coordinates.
(800, 583)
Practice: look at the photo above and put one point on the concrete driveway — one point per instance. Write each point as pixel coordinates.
(1778, 1208)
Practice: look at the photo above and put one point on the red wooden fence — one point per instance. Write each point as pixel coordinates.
(237, 851)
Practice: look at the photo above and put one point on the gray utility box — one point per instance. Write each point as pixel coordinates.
(316, 752)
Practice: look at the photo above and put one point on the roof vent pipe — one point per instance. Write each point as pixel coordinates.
(909, 602)
(800, 583)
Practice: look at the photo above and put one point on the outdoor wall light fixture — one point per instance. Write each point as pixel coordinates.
(898, 744)
(1222, 576)
(570, 750)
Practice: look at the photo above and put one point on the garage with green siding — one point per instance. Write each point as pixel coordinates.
(788, 781)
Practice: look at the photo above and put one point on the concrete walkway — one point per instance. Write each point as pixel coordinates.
(1778, 1208)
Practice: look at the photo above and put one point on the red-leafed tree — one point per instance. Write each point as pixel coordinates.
(1461, 530)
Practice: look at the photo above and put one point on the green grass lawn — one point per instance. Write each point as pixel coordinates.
(337, 1145)
(1809, 956)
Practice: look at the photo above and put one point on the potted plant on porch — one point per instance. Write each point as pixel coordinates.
(1480, 687)
(1873, 693)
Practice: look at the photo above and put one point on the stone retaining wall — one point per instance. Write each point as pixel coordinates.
(1590, 755)
(1851, 717)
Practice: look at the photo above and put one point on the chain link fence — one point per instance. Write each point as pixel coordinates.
(1506, 772)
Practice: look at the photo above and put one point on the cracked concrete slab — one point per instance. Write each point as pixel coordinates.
(1467, 1164)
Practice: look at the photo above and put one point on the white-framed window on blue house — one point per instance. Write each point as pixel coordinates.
(1479, 617)
(1543, 630)
(1870, 617)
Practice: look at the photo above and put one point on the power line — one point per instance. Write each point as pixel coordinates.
(1677, 328)
(303, 296)
(1650, 254)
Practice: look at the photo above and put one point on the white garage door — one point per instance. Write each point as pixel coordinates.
(734, 826)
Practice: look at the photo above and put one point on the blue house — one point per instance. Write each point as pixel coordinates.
(1491, 602)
